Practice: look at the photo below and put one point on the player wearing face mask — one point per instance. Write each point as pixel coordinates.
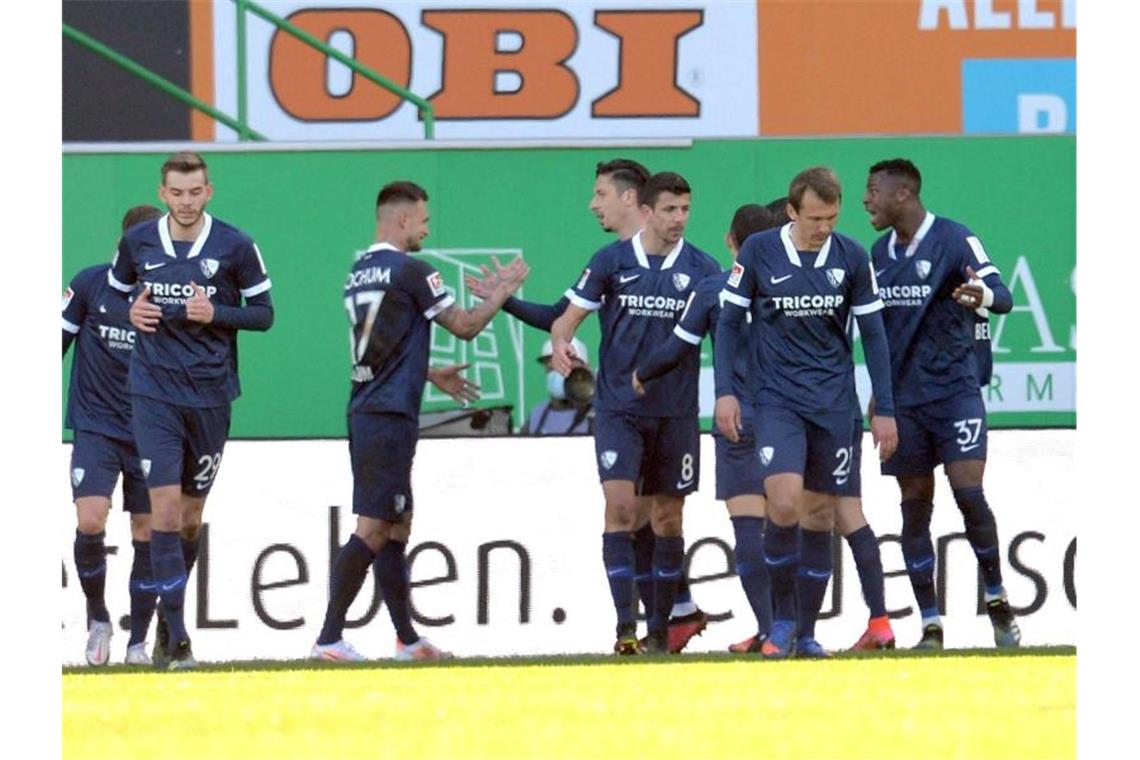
(569, 408)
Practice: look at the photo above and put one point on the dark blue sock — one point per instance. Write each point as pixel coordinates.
(617, 555)
(869, 563)
(918, 552)
(981, 530)
(143, 592)
(643, 543)
(391, 568)
(753, 570)
(169, 571)
(668, 555)
(781, 554)
(684, 594)
(91, 567)
(349, 568)
(813, 577)
(190, 551)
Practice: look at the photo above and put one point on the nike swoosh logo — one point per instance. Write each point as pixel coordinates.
(200, 486)
(669, 574)
(623, 279)
(148, 267)
(685, 484)
(817, 574)
(964, 449)
(880, 272)
(778, 280)
(172, 585)
(612, 573)
(143, 586)
(923, 564)
(780, 561)
(102, 309)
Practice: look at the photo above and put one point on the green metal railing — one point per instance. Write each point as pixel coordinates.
(241, 123)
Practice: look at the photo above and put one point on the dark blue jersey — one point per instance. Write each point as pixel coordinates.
(640, 298)
(96, 315)
(391, 299)
(187, 363)
(800, 303)
(984, 349)
(699, 319)
(934, 351)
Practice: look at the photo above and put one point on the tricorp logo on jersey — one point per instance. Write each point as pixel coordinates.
(651, 306)
(905, 295)
(175, 292)
(813, 305)
(117, 337)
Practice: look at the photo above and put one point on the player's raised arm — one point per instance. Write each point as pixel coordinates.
(537, 315)
(467, 323)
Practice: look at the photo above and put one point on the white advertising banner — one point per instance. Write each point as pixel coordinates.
(506, 552)
(512, 69)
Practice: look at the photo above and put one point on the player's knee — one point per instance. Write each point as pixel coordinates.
(917, 489)
(973, 505)
(620, 515)
(667, 523)
(91, 514)
(401, 531)
(916, 518)
(90, 523)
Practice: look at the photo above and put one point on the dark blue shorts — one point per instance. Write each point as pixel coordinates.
(816, 446)
(97, 461)
(382, 447)
(737, 465)
(180, 445)
(951, 430)
(661, 455)
(854, 485)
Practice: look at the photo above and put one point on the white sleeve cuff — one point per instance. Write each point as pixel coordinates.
(582, 303)
(867, 308)
(733, 298)
(71, 328)
(687, 336)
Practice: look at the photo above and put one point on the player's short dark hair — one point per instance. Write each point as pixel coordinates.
(820, 180)
(400, 191)
(779, 209)
(662, 182)
(623, 172)
(902, 168)
(138, 215)
(748, 219)
(184, 162)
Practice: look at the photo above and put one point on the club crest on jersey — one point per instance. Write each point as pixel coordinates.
(736, 274)
(401, 503)
(922, 266)
(435, 282)
(766, 453)
(144, 464)
(835, 277)
(680, 280)
(209, 267)
(77, 476)
(67, 296)
(609, 458)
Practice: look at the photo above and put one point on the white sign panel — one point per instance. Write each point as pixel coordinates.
(503, 70)
(506, 552)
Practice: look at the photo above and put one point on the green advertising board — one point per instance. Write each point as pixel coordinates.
(311, 211)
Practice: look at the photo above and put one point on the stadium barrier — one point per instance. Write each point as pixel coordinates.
(506, 555)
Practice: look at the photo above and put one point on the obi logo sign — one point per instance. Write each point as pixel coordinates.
(583, 69)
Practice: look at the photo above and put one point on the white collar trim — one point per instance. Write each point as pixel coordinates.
(794, 255)
(199, 242)
(919, 234)
(643, 257)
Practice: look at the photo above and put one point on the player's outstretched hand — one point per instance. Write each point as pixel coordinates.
(448, 380)
(563, 358)
(512, 275)
(199, 308)
(885, 435)
(727, 415)
(971, 293)
(143, 314)
(638, 387)
(482, 287)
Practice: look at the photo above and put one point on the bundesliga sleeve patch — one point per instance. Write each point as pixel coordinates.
(435, 282)
(736, 274)
(583, 279)
(67, 296)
